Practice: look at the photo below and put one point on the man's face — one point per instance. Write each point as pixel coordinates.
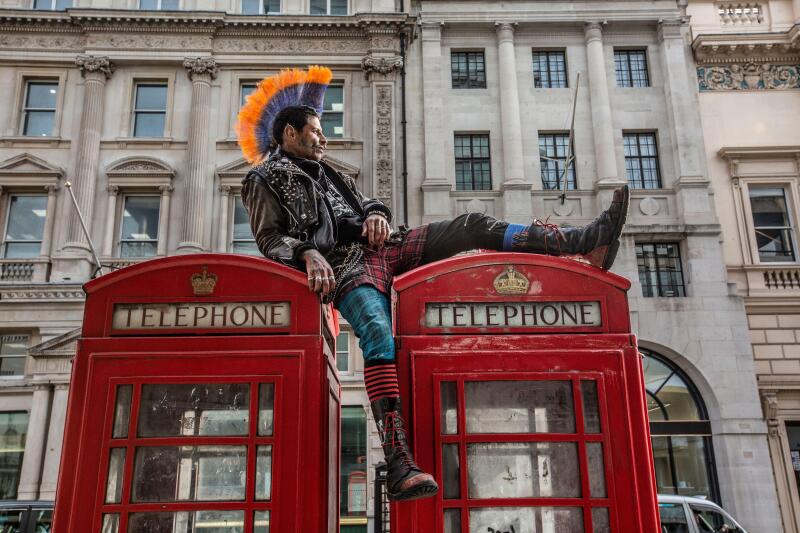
(308, 143)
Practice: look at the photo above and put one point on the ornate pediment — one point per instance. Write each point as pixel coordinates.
(139, 171)
(27, 170)
(231, 174)
(64, 345)
(344, 168)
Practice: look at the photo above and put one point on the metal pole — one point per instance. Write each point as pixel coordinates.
(95, 258)
(570, 157)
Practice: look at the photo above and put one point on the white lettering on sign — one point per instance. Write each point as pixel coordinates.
(512, 314)
(201, 315)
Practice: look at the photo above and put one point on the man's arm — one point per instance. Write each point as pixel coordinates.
(268, 225)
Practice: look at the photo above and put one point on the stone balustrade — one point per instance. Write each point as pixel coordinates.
(24, 270)
(737, 14)
(773, 280)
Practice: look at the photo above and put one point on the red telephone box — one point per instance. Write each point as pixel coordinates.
(527, 398)
(204, 397)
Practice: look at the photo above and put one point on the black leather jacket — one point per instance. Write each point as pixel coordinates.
(289, 213)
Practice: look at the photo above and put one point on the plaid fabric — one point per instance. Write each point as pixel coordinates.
(393, 258)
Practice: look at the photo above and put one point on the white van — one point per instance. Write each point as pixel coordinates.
(683, 514)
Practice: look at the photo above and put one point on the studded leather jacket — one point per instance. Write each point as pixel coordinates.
(289, 212)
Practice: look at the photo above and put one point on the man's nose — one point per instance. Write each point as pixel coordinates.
(322, 140)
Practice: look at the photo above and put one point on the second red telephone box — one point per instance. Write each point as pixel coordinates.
(526, 398)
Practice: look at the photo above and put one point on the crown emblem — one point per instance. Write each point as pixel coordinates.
(511, 282)
(203, 283)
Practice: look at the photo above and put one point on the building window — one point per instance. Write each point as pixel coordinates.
(772, 223)
(553, 153)
(353, 471)
(39, 109)
(641, 160)
(631, 68)
(680, 429)
(13, 351)
(24, 226)
(139, 227)
(549, 69)
(473, 164)
(343, 352)
(260, 7)
(333, 112)
(468, 70)
(245, 90)
(660, 271)
(13, 430)
(158, 5)
(150, 110)
(329, 7)
(243, 240)
(51, 5)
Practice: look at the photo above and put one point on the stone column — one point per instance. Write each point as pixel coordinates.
(201, 71)
(683, 117)
(602, 121)
(436, 186)
(96, 71)
(34, 444)
(111, 215)
(224, 202)
(516, 191)
(55, 438)
(381, 71)
(163, 219)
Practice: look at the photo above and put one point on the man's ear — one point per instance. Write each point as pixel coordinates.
(289, 131)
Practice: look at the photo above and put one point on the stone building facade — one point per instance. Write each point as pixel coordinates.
(134, 106)
(487, 90)
(490, 91)
(748, 66)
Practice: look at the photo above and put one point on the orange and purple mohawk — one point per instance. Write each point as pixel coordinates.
(291, 87)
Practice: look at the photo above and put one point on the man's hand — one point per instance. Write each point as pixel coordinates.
(376, 229)
(320, 274)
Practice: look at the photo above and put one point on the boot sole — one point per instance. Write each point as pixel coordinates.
(423, 490)
(613, 248)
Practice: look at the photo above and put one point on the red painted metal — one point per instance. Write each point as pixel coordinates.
(605, 354)
(298, 360)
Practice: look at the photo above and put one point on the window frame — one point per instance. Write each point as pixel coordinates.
(117, 249)
(22, 454)
(135, 112)
(53, 6)
(681, 288)
(261, 10)
(328, 10)
(656, 157)
(629, 71)
(158, 6)
(790, 195)
(468, 84)
(342, 113)
(7, 216)
(572, 177)
(231, 240)
(24, 109)
(3, 339)
(348, 370)
(701, 428)
(548, 52)
(472, 160)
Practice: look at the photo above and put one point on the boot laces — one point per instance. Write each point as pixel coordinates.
(548, 227)
(397, 437)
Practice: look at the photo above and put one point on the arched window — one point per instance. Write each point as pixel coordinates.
(681, 432)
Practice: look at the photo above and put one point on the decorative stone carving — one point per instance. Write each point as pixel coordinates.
(562, 210)
(148, 41)
(95, 64)
(649, 206)
(29, 42)
(748, 76)
(381, 65)
(201, 66)
(290, 46)
(769, 402)
(384, 158)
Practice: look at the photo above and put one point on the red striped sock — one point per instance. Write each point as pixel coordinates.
(381, 381)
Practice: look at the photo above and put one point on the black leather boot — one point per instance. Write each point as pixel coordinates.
(404, 479)
(596, 242)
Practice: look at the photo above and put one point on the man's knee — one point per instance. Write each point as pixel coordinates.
(377, 341)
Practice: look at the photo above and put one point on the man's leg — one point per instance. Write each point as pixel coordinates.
(368, 312)
(597, 241)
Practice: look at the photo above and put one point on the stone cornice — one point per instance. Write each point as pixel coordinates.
(636, 13)
(773, 47)
(50, 292)
(209, 22)
(759, 152)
